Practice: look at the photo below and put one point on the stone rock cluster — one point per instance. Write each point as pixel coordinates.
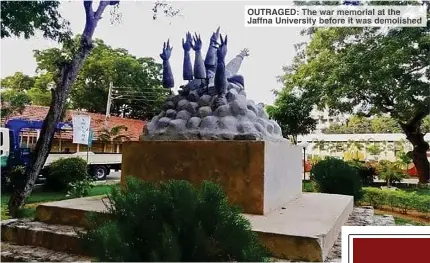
(197, 112)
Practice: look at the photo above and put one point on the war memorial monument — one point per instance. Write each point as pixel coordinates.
(210, 130)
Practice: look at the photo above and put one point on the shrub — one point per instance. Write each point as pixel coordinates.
(4, 212)
(374, 197)
(13, 177)
(404, 201)
(398, 199)
(422, 204)
(366, 172)
(65, 171)
(80, 188)
(391, 172)
(172, 221)
(335, 176)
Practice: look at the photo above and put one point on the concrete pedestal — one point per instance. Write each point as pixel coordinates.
(260, 176)
(304, 229)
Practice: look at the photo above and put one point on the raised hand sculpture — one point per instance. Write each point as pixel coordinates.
(220, 76)
(187, 72)
(234, 65)
(199, 66)
(210, 60)
(168, 81)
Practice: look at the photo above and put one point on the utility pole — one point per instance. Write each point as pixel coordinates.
(109, 103)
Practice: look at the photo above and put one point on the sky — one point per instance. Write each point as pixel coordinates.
(270, 48)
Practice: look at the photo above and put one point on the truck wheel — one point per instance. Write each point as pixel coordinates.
(100, 172)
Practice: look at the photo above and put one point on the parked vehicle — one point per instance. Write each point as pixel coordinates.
(12, 154)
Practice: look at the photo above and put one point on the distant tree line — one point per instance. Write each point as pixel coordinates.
(137, 83)
(375, 124)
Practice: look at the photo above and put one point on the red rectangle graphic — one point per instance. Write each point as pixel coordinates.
(392, 250)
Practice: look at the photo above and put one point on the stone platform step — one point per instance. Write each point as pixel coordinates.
(72, 212)
(18, 253)
(303, 230)
(32, 233)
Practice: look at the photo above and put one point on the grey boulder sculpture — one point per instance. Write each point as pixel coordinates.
(213, 104)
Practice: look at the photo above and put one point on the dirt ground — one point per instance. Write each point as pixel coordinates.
(411, 215)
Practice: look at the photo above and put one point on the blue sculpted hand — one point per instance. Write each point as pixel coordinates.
(167, 51)
(222, 49)
(214, 37)
(188, 42)
(197, 46)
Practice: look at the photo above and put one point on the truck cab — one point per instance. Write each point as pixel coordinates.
(5, 146)
(10, 155)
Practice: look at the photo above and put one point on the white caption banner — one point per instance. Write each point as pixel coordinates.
(335, 16)
(81, 129)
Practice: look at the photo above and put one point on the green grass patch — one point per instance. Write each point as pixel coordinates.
(307, 186)
(40, 196)
(403, 221)
(27, 212)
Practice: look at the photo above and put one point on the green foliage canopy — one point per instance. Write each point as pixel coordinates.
(293, 115)
(24, 18)
(375, 124)
(137, 81)
(12, 102)
(364, 69)
(370, 71)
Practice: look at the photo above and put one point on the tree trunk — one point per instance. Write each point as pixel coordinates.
(294, 137)
(419, 152)
(64, 82)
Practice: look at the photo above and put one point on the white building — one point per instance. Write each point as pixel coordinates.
(338, 144)
(324, 119)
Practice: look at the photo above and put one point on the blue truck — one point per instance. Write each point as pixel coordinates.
(13, 154)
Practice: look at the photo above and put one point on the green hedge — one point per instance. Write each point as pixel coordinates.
(397, 199)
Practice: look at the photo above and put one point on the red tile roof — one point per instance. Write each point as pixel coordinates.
(134, 127)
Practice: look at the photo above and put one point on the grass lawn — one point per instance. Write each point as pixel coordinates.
(403, 221)
(307, 186)
(40, 196)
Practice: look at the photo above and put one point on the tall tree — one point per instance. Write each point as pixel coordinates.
(13, 101)
(374, 124)
(64, 76)
(293, 115)
(384, 124)
(372, 71)
(137, 81)
(426, 125)
(18, 81)
(358, 124)
(24, 18)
